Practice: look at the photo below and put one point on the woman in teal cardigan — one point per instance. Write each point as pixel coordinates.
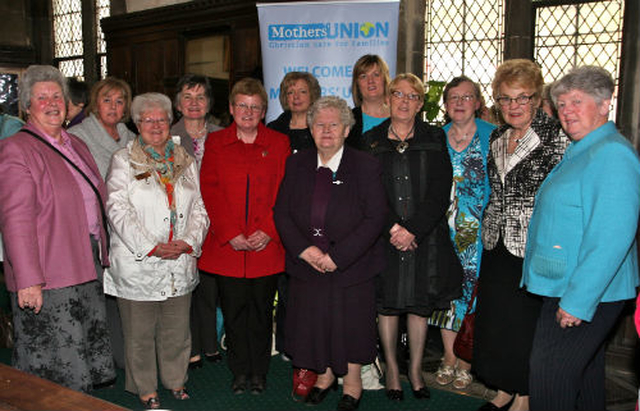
(581, 251)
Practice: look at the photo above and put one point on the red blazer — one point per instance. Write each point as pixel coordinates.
(42, 216)
(230, 171)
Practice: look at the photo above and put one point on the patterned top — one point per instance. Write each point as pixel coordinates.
(513, 188)
(469, 194)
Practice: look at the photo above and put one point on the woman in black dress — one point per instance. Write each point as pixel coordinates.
(298, 91)
(423, 272)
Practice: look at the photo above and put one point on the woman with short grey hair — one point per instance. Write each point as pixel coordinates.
(581, 253)
(158, 223)
(39, 74)
(330, 211)
(595, 81)
(55, 242)
(332, 102)
(148, 101)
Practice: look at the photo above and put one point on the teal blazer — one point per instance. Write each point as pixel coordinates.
(581, 244)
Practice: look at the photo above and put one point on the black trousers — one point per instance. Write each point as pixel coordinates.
(203, 320)
(247, 308)
(281, 311)
(115, 330)
(567, 364)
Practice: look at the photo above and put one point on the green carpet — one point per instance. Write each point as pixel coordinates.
(210, 390)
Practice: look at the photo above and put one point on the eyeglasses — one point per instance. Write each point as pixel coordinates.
(505, 101)
(245, 107)
(400, 95)
(464, 99)
(152, 121)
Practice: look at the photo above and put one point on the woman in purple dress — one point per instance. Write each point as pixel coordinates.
(330, 212)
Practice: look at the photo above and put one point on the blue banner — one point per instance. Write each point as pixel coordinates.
(325, 39)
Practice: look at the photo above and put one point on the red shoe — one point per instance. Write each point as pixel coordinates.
(303, 380)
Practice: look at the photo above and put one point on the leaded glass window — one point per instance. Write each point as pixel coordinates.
(68, 40)
(67, 34)
(103, 10)
(569, 35)
(464, 37)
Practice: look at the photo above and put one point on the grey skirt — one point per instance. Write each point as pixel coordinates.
(68, 341)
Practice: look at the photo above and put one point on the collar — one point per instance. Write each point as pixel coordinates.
(231, 136)
(140, 161)
(591, 139)
(334, 162)
(66, 141)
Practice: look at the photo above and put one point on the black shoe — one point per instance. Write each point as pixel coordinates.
(422, 393)
(395, 395)
(348, 403)
(258, 384)
(317, 395)
(214, 358)
(239, 384)
(195, 364)
(107, 384)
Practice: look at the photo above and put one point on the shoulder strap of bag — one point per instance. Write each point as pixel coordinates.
(87, 179)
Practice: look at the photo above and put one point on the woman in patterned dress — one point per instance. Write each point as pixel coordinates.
(468, 145)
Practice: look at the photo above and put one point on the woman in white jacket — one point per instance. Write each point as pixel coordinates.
(158, 223)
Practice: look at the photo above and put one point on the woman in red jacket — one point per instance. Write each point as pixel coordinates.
(240, 175)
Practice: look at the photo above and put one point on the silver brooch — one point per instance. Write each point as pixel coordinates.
(402, 147)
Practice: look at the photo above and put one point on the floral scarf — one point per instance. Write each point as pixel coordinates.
(164, 167)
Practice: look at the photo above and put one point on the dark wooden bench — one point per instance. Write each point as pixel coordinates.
(20, 391)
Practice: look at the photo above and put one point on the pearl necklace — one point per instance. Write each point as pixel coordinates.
(198, 134)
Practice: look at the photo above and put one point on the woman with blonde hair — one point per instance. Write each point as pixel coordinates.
(104, 130)
(522, 153)
(422, 272)
(370, 92)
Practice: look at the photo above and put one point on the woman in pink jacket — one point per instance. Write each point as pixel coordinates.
(55, 241)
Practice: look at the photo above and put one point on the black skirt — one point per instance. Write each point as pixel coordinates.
(506, 317)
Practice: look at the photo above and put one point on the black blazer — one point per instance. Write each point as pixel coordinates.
(354, 139)
(355, 216)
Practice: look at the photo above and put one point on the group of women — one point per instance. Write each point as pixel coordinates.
(376, 216)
